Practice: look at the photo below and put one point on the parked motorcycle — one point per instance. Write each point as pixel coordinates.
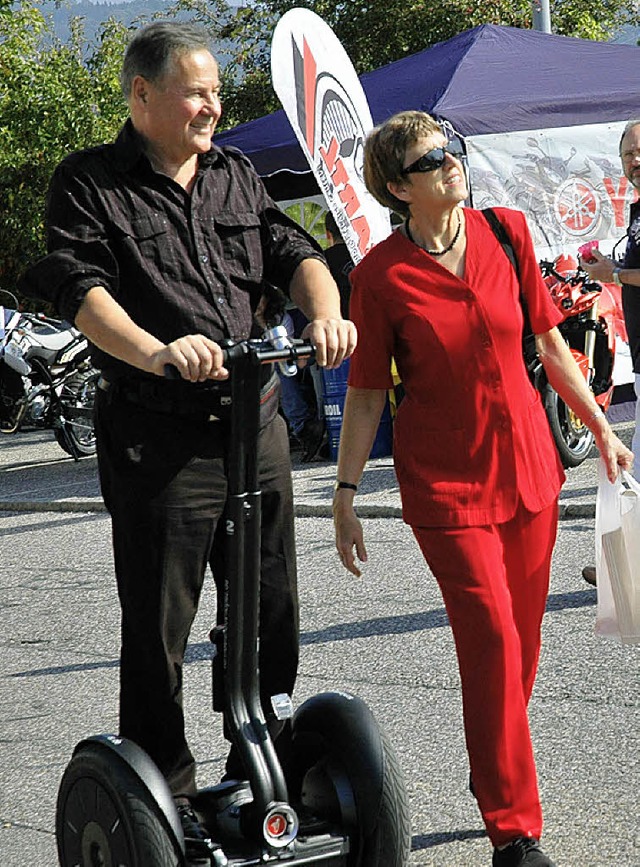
(46, 379)
(589, 311)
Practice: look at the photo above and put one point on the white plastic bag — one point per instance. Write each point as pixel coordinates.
(618, 556)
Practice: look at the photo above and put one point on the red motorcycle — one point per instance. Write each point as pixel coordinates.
(591, 314)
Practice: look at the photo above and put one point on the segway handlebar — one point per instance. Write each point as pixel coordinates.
(257, 352)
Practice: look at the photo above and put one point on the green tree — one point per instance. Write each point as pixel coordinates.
(54, 98)
(377, 32)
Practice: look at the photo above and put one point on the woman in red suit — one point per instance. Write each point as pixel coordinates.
(478, 471)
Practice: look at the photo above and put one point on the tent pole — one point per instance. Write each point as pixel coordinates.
(541, 16)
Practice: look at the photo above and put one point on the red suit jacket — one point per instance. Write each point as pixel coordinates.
(471, 438)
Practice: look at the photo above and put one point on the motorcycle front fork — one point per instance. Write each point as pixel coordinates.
(590, 342)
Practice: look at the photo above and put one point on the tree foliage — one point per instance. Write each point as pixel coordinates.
(377, 32)
(54, 98)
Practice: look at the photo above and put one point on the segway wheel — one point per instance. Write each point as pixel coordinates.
(344, 771)
(106, 817)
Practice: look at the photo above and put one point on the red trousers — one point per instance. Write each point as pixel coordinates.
(494, 581)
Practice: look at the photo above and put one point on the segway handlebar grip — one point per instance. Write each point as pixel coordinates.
(261, 351)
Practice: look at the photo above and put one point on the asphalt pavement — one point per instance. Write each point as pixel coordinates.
(28, 459)
(384, 637)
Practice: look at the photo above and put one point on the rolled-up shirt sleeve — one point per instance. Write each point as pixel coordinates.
(79, 255)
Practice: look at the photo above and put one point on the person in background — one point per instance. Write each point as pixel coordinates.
(306, 416)
(160, 245)
(299, 398)
(339, 261)
(627, 275)
(478, 471)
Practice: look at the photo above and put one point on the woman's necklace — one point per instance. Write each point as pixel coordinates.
(449, 246)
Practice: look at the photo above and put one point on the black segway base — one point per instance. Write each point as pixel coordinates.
(317, 841)
(114, 809)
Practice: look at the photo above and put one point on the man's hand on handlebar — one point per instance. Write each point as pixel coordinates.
(334, 340)
(196, 357)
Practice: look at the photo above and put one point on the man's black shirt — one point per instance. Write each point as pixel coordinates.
(179, 263)
(631, 294)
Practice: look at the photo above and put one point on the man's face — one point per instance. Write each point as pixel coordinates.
(181, 110)
(630, 155)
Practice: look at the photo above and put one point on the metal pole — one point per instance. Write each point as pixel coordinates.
(541, 16)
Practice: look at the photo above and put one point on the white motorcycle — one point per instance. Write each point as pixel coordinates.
(46, 379)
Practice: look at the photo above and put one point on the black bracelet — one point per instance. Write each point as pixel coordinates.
(346, 485)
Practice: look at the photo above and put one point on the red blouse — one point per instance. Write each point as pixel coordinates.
(471, 437)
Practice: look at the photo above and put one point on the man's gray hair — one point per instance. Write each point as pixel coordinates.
(627, 127)
(153, 48)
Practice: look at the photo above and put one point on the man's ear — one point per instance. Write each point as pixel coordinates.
(139, 89)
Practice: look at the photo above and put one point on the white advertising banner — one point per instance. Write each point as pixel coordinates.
(328, 110)
(567, 180)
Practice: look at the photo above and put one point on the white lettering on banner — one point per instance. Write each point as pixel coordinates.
(350, 203)
(568, 181)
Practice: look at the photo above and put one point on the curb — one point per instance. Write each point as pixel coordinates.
(566, 511)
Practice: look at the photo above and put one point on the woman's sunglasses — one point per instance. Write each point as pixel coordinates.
(434, 159)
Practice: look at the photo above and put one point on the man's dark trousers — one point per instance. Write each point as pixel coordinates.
(164, 482)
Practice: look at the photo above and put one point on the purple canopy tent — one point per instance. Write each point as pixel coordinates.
(486, 80)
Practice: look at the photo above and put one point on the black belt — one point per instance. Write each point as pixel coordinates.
(206, 404)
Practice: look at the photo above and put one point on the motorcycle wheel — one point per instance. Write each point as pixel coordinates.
(13, 405)
(105, 816)
(572, 437)
(345, 772)
(77, 438)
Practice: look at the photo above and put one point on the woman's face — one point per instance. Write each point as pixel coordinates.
(440, 189)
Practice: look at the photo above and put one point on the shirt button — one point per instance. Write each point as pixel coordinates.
(204, 259)
(221, 299)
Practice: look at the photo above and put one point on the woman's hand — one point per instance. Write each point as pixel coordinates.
(348, 532)
(614, 452)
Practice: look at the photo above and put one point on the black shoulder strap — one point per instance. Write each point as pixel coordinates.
(503, 237)
(505, 242)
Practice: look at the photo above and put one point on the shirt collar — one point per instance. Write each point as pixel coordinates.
(128, 150)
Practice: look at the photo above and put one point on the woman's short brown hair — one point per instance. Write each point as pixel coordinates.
(385, 149)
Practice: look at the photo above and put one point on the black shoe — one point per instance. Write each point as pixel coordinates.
(198, 845)
(324, 451)
(521, 852)
(589, 575)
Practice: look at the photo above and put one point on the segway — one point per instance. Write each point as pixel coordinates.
(341, 799)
